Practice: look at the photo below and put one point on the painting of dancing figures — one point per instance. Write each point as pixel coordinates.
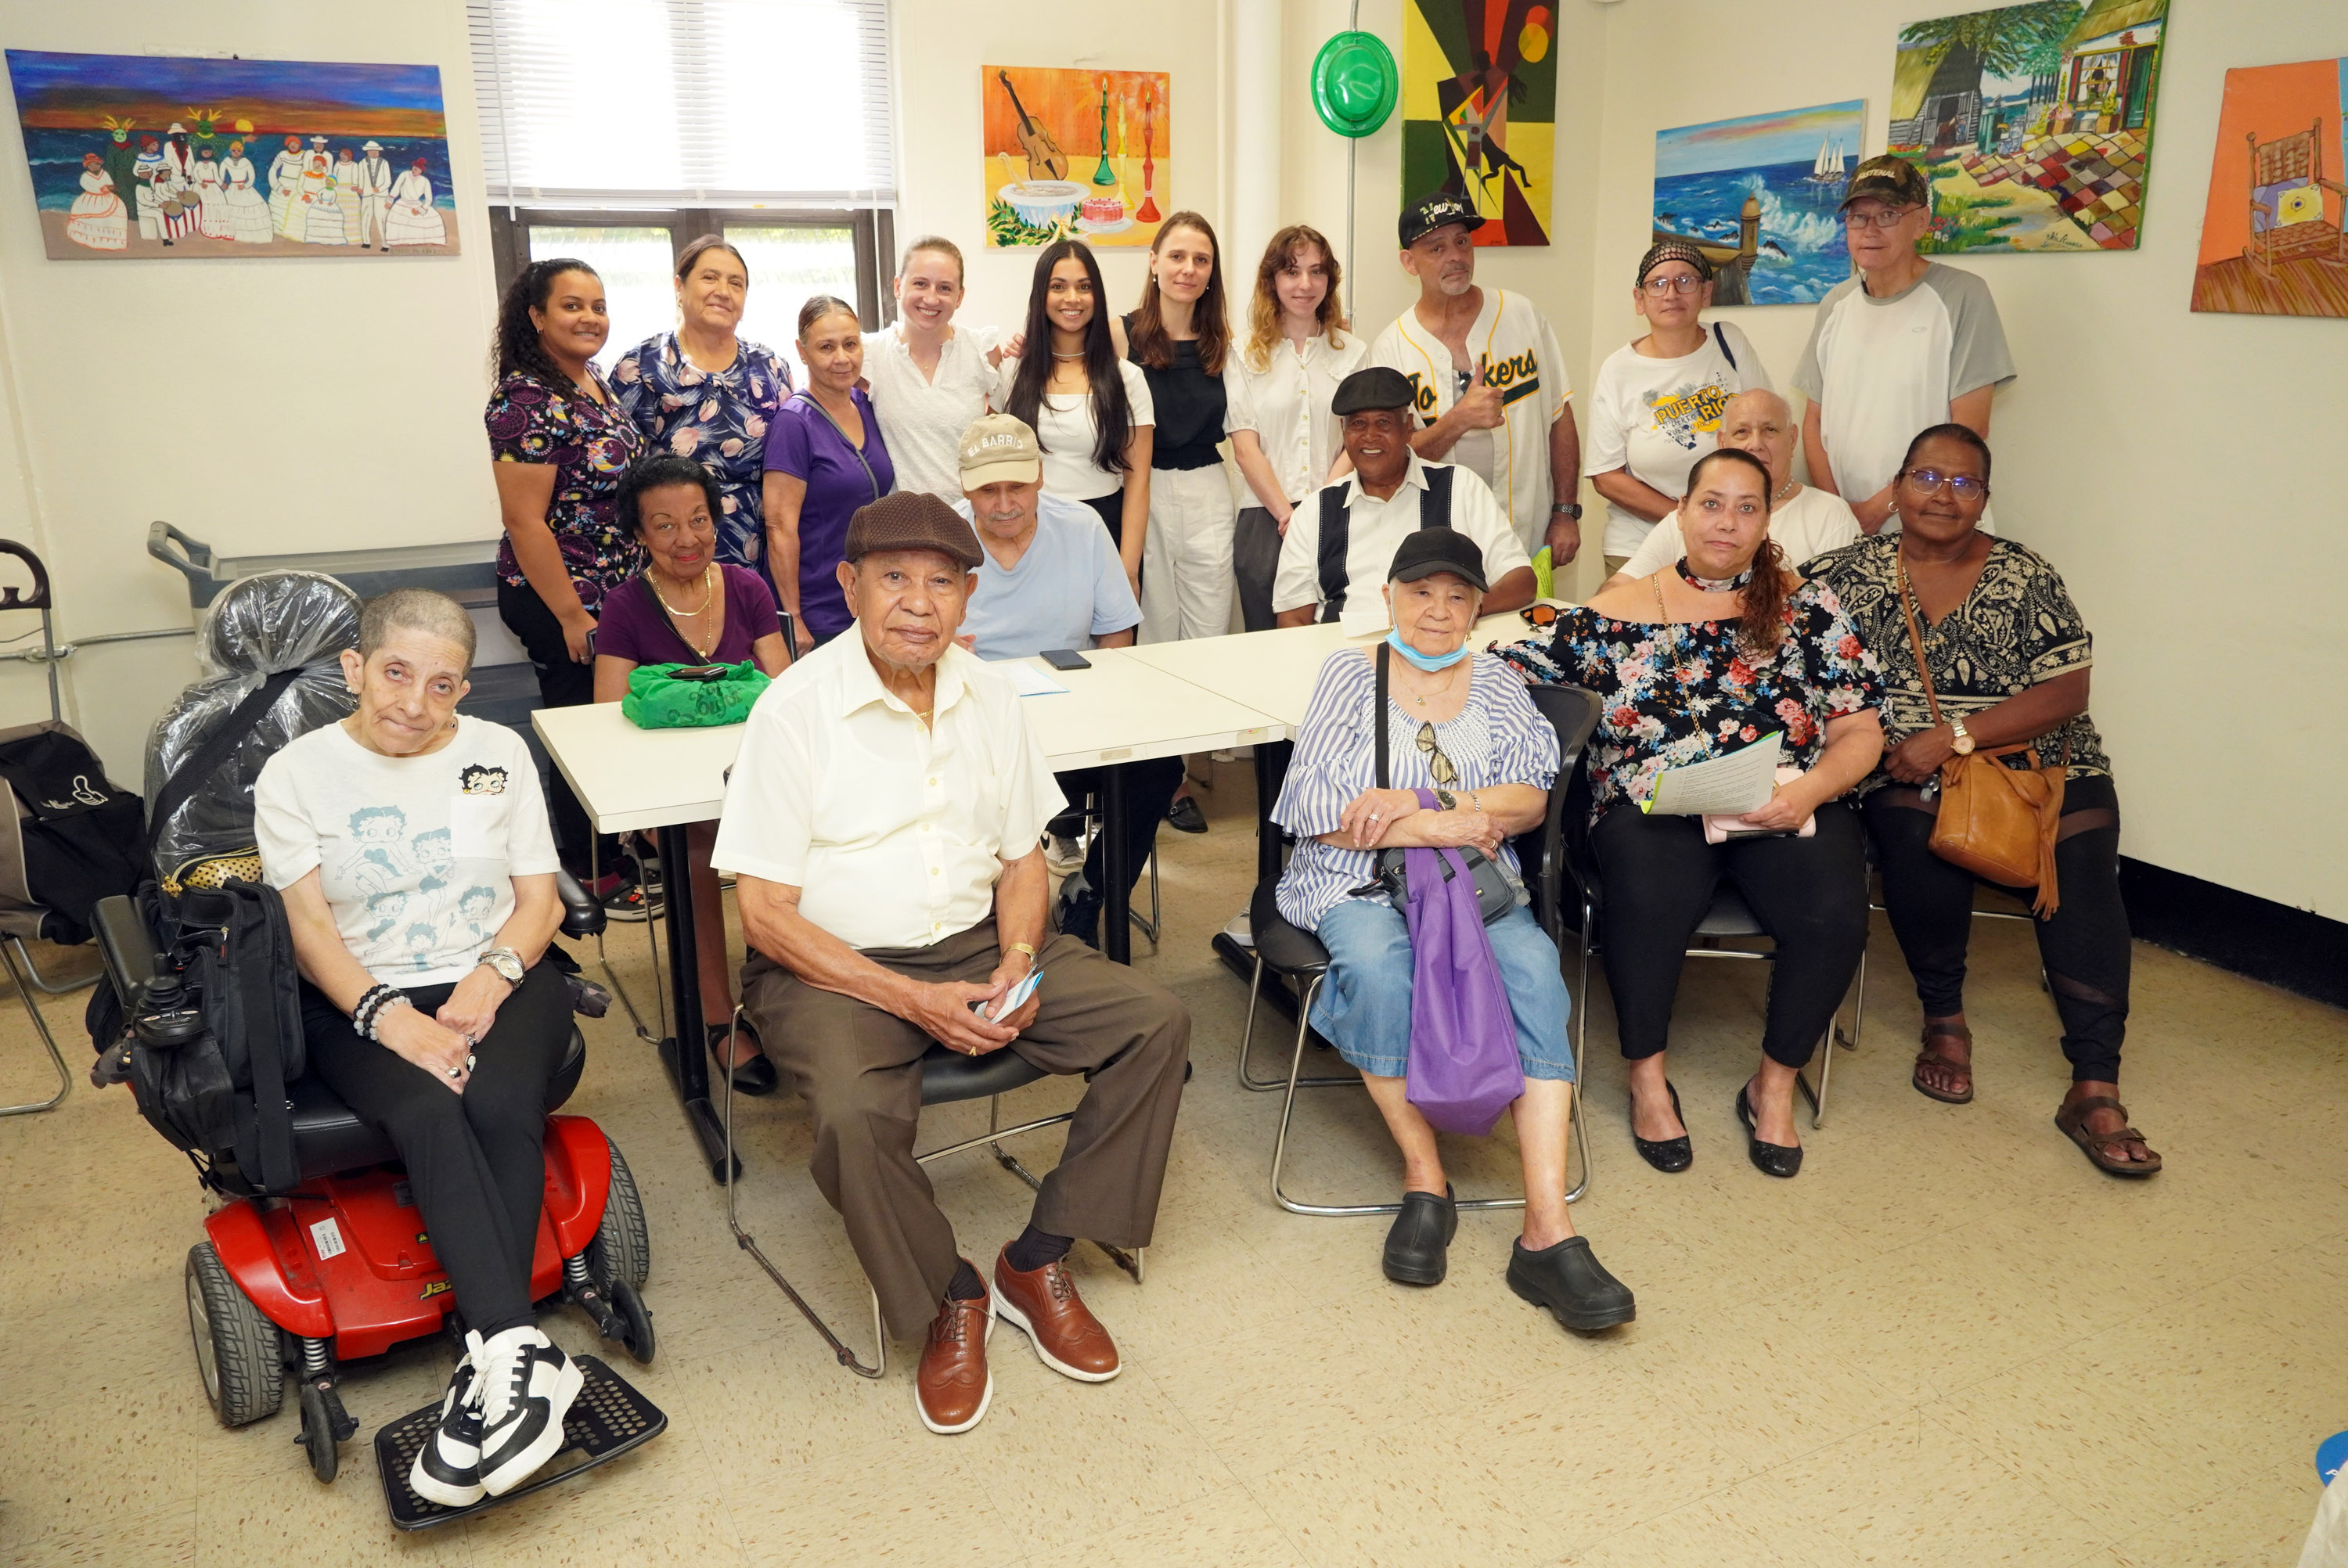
(156, 155)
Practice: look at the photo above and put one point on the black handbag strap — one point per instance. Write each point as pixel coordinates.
(1384, 650)
(261, 915)
(197, 770)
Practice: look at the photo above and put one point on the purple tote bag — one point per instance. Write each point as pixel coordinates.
(1463, 1068)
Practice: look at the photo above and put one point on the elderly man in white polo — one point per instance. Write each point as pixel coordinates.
(882, 824)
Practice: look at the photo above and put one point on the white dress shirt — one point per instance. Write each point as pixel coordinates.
(1286, 404)
(894, 831)
(922, 417)
(1376, 529)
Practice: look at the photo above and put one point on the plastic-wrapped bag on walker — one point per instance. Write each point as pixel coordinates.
(691, 696)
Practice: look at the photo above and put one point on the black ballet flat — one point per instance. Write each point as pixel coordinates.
(1769, 1159)
(756, 1076)
(1668, 1155)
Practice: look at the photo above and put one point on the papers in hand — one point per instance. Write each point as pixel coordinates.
(1030, 680)
(1727, 785)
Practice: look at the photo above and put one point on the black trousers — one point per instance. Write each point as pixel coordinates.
(1809, 894)
(1111, 509)
(1149, 789)
(2084, 945)
(1255, 562)
(561, 684)
(477, 1160)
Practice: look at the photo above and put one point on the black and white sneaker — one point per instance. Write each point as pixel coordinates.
(447, 1468)
(527, 1387)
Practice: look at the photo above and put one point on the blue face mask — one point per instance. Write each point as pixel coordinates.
(1443, 661)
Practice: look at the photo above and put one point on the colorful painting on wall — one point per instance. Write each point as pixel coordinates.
(1758, 197)
(1075, 155)
(1479, 111)
(2274, 238)
(2033, 122)
(162, 156)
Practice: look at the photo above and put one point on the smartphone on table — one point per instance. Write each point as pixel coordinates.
(1065, 659)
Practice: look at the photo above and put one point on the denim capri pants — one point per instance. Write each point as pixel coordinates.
(1363, 1008)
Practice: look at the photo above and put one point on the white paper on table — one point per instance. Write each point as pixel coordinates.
(1727, 785)
(1030, 680)
(1364, 620)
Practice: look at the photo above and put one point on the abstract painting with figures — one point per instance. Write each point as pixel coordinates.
(1479, 111)
(164, 156)
(2274, 240)
(1075, 155)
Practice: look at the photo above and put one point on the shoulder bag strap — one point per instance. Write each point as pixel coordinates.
(1336, 523)
(1379, 716)
(1434, 512)
(263, 946)
(1721, 339)
(1916, 639)
(197, 770)
(871, 477)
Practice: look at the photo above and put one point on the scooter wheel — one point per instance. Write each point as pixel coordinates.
(317, 1437)
(636, 1320)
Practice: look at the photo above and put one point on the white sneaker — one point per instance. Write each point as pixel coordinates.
(526, 1388)
(1063, 854)
(447, 1468)
(1240, 928)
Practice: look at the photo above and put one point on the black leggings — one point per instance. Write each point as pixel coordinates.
(2084, 945)
(1809, 894)
(1149, 789)
(476, 1160)
(562, 682)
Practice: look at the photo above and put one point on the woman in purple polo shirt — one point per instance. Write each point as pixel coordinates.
(686, 607)
(825, 458)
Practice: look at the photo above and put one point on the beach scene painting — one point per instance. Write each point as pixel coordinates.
(2275, 238)
(1760, 197)
(2033, 122)
(157, 155)
(1075, 155)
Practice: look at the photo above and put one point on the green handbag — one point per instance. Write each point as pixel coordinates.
(678, 697)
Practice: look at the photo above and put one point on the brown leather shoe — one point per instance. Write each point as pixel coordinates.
(951, 1389)
(1044, 1304)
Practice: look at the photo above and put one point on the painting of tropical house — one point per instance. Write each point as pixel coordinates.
(2033, 122)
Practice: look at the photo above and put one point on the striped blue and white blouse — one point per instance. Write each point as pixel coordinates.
(1499, 737)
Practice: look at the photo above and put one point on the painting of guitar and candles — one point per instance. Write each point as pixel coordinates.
(1074, 154)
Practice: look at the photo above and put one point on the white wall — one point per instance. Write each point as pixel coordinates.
(2177, 468)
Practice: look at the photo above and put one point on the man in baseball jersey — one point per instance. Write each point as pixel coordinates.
(1490, 385)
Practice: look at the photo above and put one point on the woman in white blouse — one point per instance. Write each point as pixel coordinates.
(1087, 403)
(1285, 437)
(928, 378)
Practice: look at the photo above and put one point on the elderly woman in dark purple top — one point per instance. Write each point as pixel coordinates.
(686, 607)
(825, 458)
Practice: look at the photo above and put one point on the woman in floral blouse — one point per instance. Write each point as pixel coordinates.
(1695, 661)
(558, 442)
(2009, 660)
(705, 394)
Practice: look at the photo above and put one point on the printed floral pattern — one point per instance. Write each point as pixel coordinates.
(1682, 693)
(589, 444)
(718, 418)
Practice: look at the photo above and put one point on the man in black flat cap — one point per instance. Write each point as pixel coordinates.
(882, 824)
(1342, 539)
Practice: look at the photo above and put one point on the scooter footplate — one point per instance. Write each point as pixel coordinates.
(607, 1420)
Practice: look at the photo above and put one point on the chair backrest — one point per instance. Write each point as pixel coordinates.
(1572, 712)
(2298, 156)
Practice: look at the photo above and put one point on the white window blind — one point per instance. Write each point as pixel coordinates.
(718, 103)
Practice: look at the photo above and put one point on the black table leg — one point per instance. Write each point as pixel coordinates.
(686, 1053)
(1116, 870)
(1271, 773)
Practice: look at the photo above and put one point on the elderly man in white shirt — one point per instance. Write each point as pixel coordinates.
(881, 824)
(1344, 536)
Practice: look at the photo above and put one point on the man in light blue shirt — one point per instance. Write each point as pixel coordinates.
(1052, 579)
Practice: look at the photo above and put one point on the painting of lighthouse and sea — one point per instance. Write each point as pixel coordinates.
(1760, 195)
(161, 156)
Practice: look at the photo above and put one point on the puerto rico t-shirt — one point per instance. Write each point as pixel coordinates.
(1656, 416)
(416, 856)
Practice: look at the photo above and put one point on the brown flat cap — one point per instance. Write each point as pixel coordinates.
(912, 521)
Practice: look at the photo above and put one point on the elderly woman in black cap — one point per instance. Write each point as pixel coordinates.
(1463, 734)
(1656, 407)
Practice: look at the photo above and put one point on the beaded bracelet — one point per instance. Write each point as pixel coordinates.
(375, 1018)
(371, 1007)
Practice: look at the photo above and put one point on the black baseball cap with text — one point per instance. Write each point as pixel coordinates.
(1428, 213)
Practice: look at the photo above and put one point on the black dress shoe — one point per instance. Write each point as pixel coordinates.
(1668, 1155)
(1415, 1246)
(756, 1076)
(1185, 816)
(1769, 1159)
(1571, 1283)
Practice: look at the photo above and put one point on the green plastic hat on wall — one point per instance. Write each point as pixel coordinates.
(1355, 83)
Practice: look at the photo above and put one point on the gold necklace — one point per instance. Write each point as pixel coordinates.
(708, 591)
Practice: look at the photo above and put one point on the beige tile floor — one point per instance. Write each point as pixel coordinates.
(1948, 1342)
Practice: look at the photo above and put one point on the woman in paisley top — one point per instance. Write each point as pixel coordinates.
(2009, 660)
(1695, 661)
(702, 393)
(558, 442)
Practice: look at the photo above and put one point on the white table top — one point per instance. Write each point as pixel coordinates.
(1123, 709)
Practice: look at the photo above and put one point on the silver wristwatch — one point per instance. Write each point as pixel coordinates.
(507, 964)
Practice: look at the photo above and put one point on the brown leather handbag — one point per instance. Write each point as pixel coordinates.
(1994, 821)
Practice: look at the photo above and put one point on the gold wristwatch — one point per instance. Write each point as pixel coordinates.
(1962, 744)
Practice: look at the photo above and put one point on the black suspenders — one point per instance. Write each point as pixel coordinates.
(1336, 526)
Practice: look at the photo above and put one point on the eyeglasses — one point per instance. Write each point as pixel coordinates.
(1964, 486)
(1539, 614)
(1659, 287)
(1887, 219)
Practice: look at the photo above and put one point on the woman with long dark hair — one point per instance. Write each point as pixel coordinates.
(558, 442)
(1090, 408)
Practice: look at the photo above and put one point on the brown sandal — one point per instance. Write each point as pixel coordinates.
(1938, 1029)
(2073, 1120)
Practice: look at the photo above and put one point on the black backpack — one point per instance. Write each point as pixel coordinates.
(69, 836)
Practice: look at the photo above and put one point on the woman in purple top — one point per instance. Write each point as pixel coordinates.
(825, 458)
(686, 607)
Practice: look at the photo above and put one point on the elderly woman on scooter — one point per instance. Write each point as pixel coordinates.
(430, 1014)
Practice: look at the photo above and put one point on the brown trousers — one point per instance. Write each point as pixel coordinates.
(857, 1069)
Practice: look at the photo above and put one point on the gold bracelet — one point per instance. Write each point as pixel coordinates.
(1026, 947)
